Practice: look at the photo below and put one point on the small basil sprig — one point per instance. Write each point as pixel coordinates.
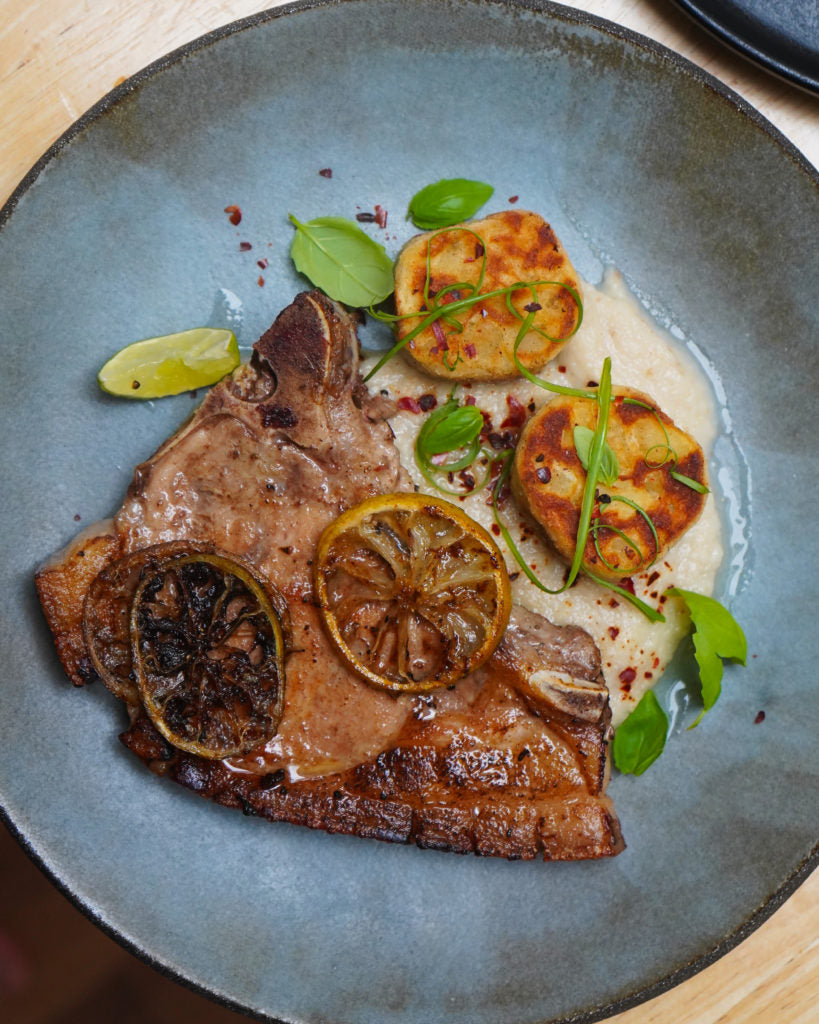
(640, 740)
(447, 202)
(450, 429)
(609, 466)
(341, 260)
(458, 428)
(717, 635)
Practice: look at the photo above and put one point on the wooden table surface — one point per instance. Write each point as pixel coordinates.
(57, 58)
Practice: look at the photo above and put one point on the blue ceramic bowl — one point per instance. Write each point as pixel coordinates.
(119, 232)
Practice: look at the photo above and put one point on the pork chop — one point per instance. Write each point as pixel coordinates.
(512, 761)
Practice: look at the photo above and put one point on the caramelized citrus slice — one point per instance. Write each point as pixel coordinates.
(413, 592)
(107, 615)
(208, 653)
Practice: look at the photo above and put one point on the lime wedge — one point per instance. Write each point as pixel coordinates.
(168, 365)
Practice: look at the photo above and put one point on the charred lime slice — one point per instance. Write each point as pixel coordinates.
(207, 648)
(106, 619)
(170, 364)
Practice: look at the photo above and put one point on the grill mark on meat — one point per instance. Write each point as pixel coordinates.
(349, 758)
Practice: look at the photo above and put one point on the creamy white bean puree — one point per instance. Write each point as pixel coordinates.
(635, 651)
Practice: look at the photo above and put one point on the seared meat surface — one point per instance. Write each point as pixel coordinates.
(512, 761)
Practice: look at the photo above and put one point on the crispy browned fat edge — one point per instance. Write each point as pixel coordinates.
(62, 585)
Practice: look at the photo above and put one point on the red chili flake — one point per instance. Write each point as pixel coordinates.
(245, 246)
(513, 199)
(614, 603)
(235, 214)
(656, 662)
(614, 632)
(469, 400)
(496, 529)
(262, 263)
(503, 496)
(467, 480)
(380, 216)
(517, 413)
(440, 337)
(628, 584)
(427, 402)
(409, 404)
(470, 350)
(760, 717)
(561, 369)
(652, 578)
(326, 172)
(260, 281)
(648, 675)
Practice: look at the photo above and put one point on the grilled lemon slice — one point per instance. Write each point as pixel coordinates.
(414, 594)
(107, 614)
(207, 646)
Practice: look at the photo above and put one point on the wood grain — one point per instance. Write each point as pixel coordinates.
(57, 58)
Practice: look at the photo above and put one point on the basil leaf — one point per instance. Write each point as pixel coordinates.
(640, 740)
(448, 202)
(458, 429)
(717, 635)
(609, 466)
(346, 264)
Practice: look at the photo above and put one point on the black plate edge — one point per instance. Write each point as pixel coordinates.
(745, 47)
(569, 15)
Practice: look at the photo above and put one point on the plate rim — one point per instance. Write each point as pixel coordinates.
(589, 1016)
(558, 12)
(555, 10)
